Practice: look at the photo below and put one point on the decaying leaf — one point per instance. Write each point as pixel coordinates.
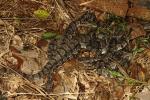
(6, 33)
(139, 12)
(75, 82)
(137, 30)
(33, 63)
(118, 7)
(11, 83)
(144, 95)
(17, 42)
(140, 65)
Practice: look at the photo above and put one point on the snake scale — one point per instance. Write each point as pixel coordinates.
(71, 43)
(66, 47)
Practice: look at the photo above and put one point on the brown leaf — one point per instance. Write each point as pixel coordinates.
(19, 61)
(144, 94)
(118, 91)
(13, 61)
(139, 67)
(17, 42)
(139, 12)
(33, 60)
(134, 70)
(69, 66)
(13, 49)
(41, 43)
(11, 83)
(30, 66)
(118, 7)
(137, 30)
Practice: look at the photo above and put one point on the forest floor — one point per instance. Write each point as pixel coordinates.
(26, 28)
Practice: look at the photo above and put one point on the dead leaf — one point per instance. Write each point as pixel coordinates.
(140, 66)
(12, 60)
(17, 42)
(6, 32)
(67, 85)
(31, 61)
(137, 30)
(118, 7)
(11, 83)
(144, 95)
(30, 66)
(41, 43)
(139, 12)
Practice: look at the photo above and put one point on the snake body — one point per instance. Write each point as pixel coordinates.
(65, 47)
(71, 41)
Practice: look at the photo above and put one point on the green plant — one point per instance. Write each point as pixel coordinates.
(41, 14)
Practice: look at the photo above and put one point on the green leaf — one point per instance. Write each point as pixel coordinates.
(41, 14)
(49, 35)
(131, 81)
(115, 74)
(58, 37)
(138, 50)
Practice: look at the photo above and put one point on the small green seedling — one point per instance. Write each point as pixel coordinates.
(48, 35)
(41, 14)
